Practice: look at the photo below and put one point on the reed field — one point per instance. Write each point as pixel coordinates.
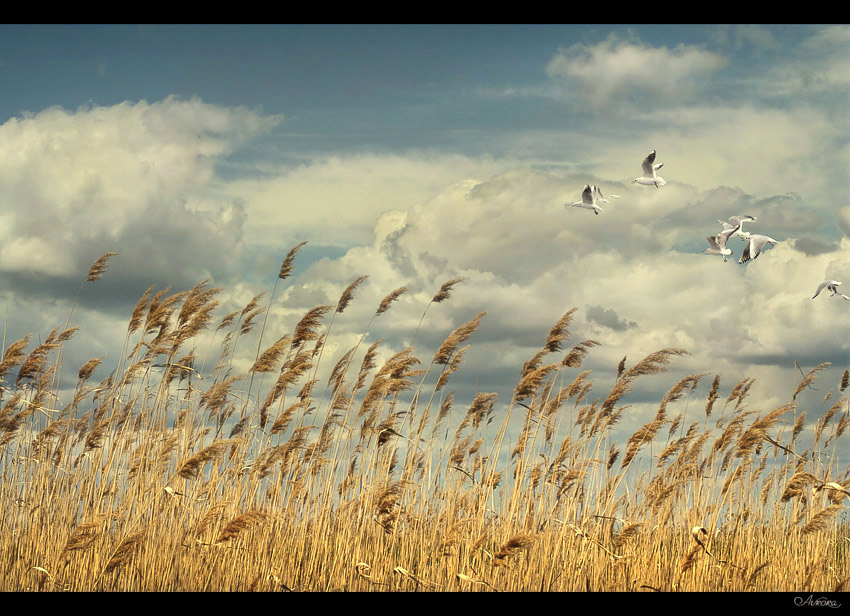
(178, 472)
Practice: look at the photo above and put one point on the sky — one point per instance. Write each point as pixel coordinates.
(415, 154)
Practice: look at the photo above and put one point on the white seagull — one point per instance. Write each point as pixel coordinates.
(715, 249)
(649, 177)
(717, 243)
(831, 285)
(588, 200)
(738, 221)
(754, 246)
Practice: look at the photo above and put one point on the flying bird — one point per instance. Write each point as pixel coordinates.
(715, 249)
(588, 200)
(717, 243)
(739, 222)
(649, 177)
(755, 244)
(831, 285)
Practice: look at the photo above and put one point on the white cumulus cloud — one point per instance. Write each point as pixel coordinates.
(614, 69)
(135, 178)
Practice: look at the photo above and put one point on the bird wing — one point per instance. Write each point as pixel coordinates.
(745, 255)
(820, 288)
(587, 195)
(647, 165)
(761, 240)
(724, 236)
(738, 220)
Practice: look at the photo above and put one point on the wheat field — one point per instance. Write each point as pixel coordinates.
(178, 473)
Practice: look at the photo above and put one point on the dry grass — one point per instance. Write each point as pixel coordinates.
(377, 478)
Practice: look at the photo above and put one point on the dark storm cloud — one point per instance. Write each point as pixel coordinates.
(810, 245)
(608, 317)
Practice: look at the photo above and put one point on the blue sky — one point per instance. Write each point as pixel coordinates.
(346, 86)
(418, 153)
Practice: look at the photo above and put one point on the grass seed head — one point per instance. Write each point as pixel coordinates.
(99, 266)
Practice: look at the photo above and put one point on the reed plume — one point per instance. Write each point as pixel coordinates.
(13, 355)
(459, 335)
(559, 332)
(809, 378)
(820, 520)
(125, 551)
(445, 291)
(389, 299)
(99, 266)
(348, 294)
(577, 354)
(288, 262)
(511, 547)
(190, 467)
(241, 523)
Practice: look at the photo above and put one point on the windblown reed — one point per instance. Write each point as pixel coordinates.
(385, 480)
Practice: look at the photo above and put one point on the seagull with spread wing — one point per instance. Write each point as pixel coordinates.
(650, 177)
(831, 285)
(588, 200)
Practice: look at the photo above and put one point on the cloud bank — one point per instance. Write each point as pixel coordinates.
(604, 73)
(137, 178)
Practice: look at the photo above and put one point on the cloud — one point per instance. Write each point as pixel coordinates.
(739, 36)
(608, 318)
(764, 151)
(136, 178)
(844, 220)
(616, 70)
(338, 198)
(811, 67)
(769, 131)
(814, 245)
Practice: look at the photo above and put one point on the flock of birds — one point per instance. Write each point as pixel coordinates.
(591, 196)
(753, 248)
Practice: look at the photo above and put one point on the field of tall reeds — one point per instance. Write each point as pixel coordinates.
(178, 472)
